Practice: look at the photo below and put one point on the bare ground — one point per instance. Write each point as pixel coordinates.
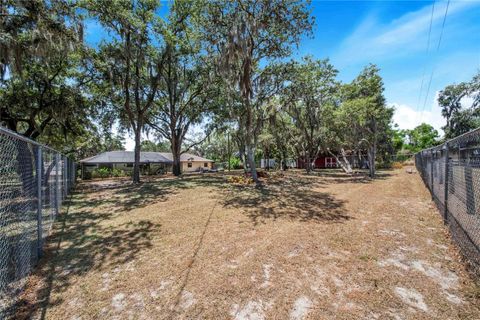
(301, 247)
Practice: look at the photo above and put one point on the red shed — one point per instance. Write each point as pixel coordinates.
(320, 162)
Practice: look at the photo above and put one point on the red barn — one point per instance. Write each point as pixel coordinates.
(320, 162)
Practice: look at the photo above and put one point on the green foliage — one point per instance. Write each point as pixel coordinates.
(398, 139)
(312, 89)
(161, 146)
(461, 118)
(118, 173)
(363, 120)
(235, 163)
(188, 68)
(421, 137)
(126, 67)
(105, 173)
(42, 91)
(101, 173)
(240, 42)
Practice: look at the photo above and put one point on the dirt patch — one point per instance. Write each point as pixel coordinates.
(322, 246)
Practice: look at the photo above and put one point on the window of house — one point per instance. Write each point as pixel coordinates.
(205, 164)
(189, 165)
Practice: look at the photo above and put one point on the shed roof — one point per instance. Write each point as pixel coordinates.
(145, 157)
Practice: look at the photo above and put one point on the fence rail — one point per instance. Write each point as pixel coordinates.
(451, 172)
(34, 179)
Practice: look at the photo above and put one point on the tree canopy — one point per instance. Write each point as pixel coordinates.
(209, 77)
(460, 105)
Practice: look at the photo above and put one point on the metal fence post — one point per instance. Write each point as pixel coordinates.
(65, 177)
(57, 205)
(446, 175)
(431, 172)
(39, 173)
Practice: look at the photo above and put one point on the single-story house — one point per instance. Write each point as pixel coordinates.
(150, 162)
(190, 162)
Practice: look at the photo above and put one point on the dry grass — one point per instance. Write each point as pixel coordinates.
(301, 247)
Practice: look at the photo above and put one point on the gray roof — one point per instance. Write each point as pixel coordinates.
(185, 157)
(145, 157)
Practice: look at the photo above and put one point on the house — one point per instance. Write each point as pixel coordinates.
(150, 162)
(190, 162)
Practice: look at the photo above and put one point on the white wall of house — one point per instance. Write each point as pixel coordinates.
(192, 166)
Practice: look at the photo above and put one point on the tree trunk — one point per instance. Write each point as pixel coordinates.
(136, 164)
(177, 170)
(371, 161)
(251, 163)
(249, 142)
(347, 163)
(373, 152)
(307, 163)
(344, 165)
(176, 167)
(243, 159)
(284, 161)
(268, 159)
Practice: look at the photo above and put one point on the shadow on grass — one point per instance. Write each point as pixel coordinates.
(293, 199)
(79, 244)
(339, 176)
(85, 239)
(125, 196)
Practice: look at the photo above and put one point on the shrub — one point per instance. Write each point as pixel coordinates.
(118, 173)
(87, 175)
(235, 163)
(101, 173)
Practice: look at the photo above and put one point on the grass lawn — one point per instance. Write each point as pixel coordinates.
(301, 247)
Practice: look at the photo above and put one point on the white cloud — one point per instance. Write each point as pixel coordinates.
(408, 118)
(401, 37)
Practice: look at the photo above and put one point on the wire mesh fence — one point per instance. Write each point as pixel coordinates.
(34, 180)
(452, 174)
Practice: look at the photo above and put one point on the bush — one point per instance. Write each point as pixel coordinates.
(235, 163)
(87, 175)
(101, 173)
(118, 173)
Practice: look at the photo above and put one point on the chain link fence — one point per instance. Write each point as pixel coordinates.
(34, 180)
(451, 172)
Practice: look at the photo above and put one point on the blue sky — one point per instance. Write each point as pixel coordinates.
(394, 36)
